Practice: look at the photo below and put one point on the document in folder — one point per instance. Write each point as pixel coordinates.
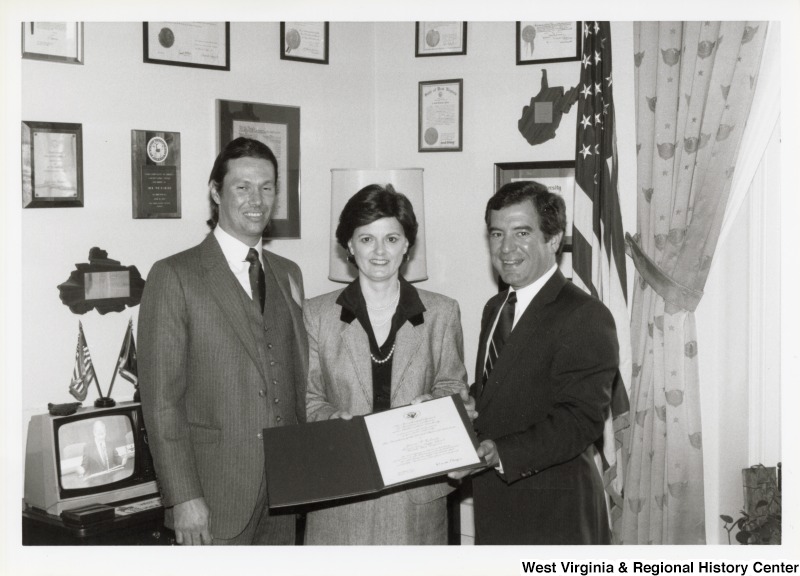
(334, 459)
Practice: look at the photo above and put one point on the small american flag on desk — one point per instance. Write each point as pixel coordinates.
(83, 371)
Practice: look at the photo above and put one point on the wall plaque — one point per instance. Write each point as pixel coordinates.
(156, 174)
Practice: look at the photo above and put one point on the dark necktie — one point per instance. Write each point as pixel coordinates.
(257, 281)
(501, 333)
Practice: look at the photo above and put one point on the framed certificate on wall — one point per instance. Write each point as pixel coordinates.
(192, 44)
(305, 41)
(441, 39)
(542, 42)
(53, 41)
(440, 116)
(52, 165)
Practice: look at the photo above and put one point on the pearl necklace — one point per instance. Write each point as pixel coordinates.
(392, 304)
(383, 322)
(385, 360)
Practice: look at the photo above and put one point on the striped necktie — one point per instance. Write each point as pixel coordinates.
(257, 280)
(502, 330)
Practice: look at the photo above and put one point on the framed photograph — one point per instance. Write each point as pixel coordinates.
(279, 128)
(441, 39)
(440, 116)
(156, 174)
(558, 177)
(192, 44)
(53, 41)
(52, 165)
(305, 41)
(542, 42)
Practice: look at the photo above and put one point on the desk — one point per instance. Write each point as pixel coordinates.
(144, 528)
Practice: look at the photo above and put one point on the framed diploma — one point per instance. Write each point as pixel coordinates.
(305, 41)
(52, 165)
(53, 41)
(333, 459)
(541, 42)
(440, 116)
(558, 177)
(279, 128)
(441, 39)
(193, 44)
(156, 174)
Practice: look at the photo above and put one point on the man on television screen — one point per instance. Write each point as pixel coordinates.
(100, 455)
(223, 355)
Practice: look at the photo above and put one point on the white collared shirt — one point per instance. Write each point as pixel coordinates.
(235, 252)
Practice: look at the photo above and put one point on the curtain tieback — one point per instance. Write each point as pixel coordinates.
(671, 291)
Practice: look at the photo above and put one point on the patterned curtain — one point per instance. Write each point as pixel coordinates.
(694, 86)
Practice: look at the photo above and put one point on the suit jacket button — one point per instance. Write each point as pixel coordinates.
(277, 400)
(262, 393)
(260, 436)
(269, 346)
(274, 382)
(272, 363)
(278, 418)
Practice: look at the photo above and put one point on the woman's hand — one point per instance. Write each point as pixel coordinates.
(422, 398)
(342, 414)
(469, 404)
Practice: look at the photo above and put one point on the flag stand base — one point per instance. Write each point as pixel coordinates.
(104, 402)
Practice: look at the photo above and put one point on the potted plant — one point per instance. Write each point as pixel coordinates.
(760, 520)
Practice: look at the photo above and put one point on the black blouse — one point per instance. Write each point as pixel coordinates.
(409, 309)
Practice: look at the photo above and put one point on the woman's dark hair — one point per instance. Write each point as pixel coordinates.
(550, 207)
(372, 203)
(239, 148)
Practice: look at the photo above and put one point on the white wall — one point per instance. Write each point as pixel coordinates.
(115, 92)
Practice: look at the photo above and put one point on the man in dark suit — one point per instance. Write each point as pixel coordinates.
(100, 455)
(222, 355)
(547, 358)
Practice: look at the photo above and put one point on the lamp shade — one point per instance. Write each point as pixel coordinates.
(344, 184)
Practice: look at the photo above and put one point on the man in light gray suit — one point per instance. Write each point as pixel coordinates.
(222, 355)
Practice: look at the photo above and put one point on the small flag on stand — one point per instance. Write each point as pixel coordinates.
(83, 373)
(127, 357)
(126, 364)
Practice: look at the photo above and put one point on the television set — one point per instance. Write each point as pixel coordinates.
(94, 456)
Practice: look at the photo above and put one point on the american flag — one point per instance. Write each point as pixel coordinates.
(598, 251)
(127, 357)
(83, 371)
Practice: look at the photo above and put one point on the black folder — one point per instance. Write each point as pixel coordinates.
(332, 459)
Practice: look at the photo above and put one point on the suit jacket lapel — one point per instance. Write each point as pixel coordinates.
(357, 344)
(521, 337)
(225, 290)
(407, 341)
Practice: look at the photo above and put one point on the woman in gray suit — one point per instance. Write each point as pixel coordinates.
(374, 345)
